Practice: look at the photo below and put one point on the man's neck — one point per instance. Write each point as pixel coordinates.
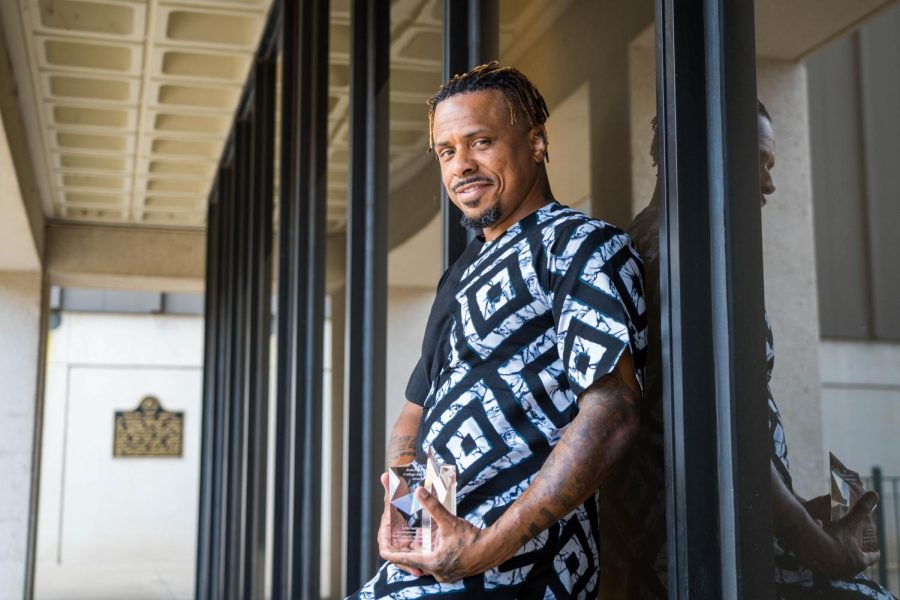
(538, 197)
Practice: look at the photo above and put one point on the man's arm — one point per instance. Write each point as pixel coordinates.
(832, 550)
(607, 423)
(401, 447)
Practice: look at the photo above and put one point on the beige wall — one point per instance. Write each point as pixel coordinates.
(20, 334)
(588, 45)
(126, 257)
(117, 528)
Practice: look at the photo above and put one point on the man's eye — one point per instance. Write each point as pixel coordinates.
(482, 142)
(445, 153)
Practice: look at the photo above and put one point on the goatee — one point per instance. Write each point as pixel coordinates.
(489, 217)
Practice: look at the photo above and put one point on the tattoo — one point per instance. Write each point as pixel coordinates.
(605, 427)
(401, 449)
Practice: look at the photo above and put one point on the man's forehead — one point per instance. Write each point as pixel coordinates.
(765, 134)
(483, 105)
(475, 113)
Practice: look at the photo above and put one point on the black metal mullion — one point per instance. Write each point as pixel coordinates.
(219, 508)
(302, 530)
(366, 285)
(288, 300)
(210, 358)
(260, 282)
(236, 464)
(738, 305)
(711, 289)
(471, 38)
(312, 209)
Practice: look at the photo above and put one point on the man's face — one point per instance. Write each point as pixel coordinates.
(766, 158)
(488, 164)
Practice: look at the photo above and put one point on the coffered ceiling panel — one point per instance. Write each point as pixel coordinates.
(134, 98)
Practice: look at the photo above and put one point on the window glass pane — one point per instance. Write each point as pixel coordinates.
(831, 88)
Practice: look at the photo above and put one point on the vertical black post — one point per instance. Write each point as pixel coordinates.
(719, 500)
(878, 487)
(301, 299)
(311, 179)
(236, 464)
(260, 285)
(220, 414)
(366, 286)
(471, 38)
(282, 551)
(207, 451)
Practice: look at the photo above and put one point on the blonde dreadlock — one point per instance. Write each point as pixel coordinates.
(521, 95)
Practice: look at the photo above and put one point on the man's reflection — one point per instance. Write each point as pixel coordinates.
(812, 560)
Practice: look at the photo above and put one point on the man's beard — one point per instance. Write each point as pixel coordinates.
(488, 217)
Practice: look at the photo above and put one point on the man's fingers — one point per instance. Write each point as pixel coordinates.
(411, 570)
(405, 560)
(437, 511)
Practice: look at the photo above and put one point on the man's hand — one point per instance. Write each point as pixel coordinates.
(832, 549)
(459, 548)
(388, 518)
(843, 557)
(401, 449)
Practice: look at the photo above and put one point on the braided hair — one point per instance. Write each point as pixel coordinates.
(522, 97)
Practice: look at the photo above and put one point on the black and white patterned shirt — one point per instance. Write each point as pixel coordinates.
(520, 327)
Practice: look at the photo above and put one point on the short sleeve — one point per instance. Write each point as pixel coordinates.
(419, 385)
(436, 338)
(596, 285)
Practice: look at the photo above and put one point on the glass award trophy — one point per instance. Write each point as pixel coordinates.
(412, 529)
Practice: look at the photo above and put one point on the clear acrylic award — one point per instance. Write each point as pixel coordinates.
(412, 529)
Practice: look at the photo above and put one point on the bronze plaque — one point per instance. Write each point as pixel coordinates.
(149, 430)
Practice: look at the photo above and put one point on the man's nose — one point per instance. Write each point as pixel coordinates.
(463, 164)
(767, 184)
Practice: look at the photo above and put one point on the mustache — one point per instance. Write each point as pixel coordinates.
(469, 180)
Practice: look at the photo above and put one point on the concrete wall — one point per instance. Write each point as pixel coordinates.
(588, 46)
(20, 328)
(126, 258)
(414, 269)
(861, 404)
(110, 527)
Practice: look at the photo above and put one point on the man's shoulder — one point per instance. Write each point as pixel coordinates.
(566, 229)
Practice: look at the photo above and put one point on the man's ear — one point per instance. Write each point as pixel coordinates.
(539, 144)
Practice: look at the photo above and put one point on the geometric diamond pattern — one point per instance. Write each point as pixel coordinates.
(528, 332)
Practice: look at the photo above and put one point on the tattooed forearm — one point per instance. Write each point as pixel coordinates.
(401, 448)
(597, 438)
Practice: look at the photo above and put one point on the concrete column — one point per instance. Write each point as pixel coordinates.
(21, 328)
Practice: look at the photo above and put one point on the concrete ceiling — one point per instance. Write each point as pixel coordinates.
(128, 103)
(132, 101)
(790, 30)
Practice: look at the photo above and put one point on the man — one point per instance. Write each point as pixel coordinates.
(812, 560)
(529, 380)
